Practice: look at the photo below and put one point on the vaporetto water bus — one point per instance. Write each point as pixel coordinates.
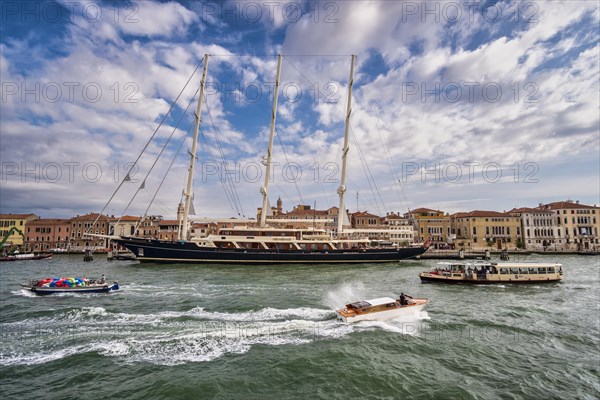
(488, 273)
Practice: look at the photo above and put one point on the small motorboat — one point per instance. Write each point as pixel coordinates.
(381, 309)
(26, 256)
(70, 285)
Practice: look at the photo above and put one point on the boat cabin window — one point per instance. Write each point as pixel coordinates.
(504, 271)
(550, 270)
(542, 270)
(458, 275)
(523, 270)
(533, 270)
(514, 271)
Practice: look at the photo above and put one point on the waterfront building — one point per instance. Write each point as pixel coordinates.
(43, 234)
(274, 212)
(90, 223)
(167, 229)
(578, 225)
(431, 225)
(124, 226)
(480, 230)
(19, 221)
(392, 228)
(538, 229)
(304, 216)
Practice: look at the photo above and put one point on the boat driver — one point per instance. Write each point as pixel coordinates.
(403, 301)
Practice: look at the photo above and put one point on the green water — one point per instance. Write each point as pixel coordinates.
(269, 332)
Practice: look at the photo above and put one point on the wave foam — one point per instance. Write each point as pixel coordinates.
(164, 339)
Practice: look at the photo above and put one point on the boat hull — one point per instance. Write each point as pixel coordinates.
(151, 250)
(465, 281)
(403, 311)
(82, 289)
(26, 257)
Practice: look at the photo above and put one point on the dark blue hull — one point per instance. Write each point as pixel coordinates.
(152, 250)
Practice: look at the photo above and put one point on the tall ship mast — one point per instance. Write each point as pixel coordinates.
(265, 244)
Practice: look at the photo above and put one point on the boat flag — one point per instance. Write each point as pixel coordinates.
(127, 178)
(143, 185)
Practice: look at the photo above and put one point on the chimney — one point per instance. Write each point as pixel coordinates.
(576, 201)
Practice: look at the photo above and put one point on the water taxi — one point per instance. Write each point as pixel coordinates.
(380, 309)
(488, 273)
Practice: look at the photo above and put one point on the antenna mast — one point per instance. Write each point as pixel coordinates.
(183, 232)
(264, 190)
(342, 189)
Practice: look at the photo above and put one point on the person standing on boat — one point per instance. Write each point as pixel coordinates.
(402, 299)
(102, 280)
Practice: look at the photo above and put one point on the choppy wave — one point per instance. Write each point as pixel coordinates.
(173, 337)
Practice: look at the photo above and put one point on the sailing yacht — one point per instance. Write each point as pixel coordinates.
(263, 243)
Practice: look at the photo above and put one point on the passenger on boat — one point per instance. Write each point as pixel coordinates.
(102, 280)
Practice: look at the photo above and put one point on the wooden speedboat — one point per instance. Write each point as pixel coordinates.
(489, 273)
(70, 285)
(26, 256)
(380, 309)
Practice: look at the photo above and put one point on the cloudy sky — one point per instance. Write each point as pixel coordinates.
(457, 105)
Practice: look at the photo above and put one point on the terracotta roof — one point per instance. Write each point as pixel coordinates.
(529, 210)
(16, 216)
(130, 218)
(48, 221)
(424, 210)
(92, 216)
(168, 222)
(304, 212)
(360, 214)
(480, 213)
(565, 204)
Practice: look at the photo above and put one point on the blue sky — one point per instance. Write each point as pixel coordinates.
(457, 105)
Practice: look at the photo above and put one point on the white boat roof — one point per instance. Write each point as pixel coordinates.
(380, 301)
